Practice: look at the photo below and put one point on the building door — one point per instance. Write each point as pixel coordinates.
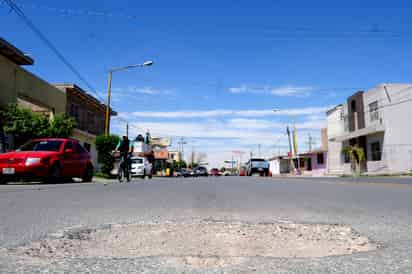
(309, 164)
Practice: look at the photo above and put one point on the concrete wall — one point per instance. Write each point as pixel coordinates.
(274, 167)
(17, 82)
(7, 82)
(319, 169)
(375, 167)
(89, 119)
(335, 128)
(396, 114)
(84, 137)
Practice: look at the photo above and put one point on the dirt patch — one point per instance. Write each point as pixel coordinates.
(202, 243)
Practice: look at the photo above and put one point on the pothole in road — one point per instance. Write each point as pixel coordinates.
(202, 243)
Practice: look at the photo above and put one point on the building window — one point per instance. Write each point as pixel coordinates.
(321, 159)
(301, 163)
(376, 151)
(373, 111)
(74, 112)
(91, 121)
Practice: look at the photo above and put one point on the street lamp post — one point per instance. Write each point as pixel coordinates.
(109, 87)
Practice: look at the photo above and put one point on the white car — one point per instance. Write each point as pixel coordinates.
(141, 167)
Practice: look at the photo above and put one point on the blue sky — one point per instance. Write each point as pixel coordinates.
(221, 66)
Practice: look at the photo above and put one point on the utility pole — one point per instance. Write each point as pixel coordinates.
(292, 165)
(260, 156)
(181, 143)
(127, 130)
(192, 158)
(310, 142)
(232, 164)
(109, 92)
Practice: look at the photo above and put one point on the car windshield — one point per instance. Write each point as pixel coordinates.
(137, 161)
(42, 145)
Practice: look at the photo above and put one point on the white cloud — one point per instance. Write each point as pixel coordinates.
(151, 91)
(291, 91)
(227, 112)
(241, 89)
(132, 91)
(282, 91)
(252, 123)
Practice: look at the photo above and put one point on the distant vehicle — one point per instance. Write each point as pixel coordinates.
(242, 171)
(214, 172)
(200, 172)
(257, 166)
(185, 172)
(49, 159)
(227, 173)
(141, 167)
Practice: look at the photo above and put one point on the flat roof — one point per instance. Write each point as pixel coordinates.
(14, 54)
(82, 93)
(332, 109)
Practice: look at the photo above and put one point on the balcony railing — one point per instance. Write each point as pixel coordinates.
(371, 118)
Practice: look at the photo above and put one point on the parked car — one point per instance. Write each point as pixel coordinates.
(141, 167)
(185, 172)
(49, 160)
(200, 171)
(257, 166)
(214, 172)
(242, 171)
(227, 173)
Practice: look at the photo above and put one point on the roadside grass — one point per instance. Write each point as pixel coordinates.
(103, 176)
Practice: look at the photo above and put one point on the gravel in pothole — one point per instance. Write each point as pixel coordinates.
(201, 243)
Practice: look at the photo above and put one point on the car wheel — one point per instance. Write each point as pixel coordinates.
(55, 175)
(88, 175)
(3, 181)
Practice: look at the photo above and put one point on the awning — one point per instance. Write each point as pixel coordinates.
(358, 133)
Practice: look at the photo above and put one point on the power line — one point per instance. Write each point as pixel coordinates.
(273, 31)
(50, 45)
(53, 48)
(79, 12)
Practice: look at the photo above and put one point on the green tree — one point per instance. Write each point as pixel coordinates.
(61, 126)
(24, 124)
(105, 145)
(179, 164)
(356, 155)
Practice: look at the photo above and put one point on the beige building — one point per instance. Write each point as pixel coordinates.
(20, 86)
(89, 114)
(175, 156)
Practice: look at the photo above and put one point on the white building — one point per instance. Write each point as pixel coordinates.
(377, 121)
(279, 165)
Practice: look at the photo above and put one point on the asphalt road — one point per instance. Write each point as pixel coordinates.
(380, 208)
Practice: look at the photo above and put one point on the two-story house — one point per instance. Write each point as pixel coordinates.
(19, 86)
(89, 114)
(377, 122)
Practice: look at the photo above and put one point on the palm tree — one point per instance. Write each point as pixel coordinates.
(356, 155)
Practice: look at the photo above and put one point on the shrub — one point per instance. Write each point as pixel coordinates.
(105, 145)
(24, 124)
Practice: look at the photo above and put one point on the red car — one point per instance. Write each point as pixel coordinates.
(48, 159)
(214, 172)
